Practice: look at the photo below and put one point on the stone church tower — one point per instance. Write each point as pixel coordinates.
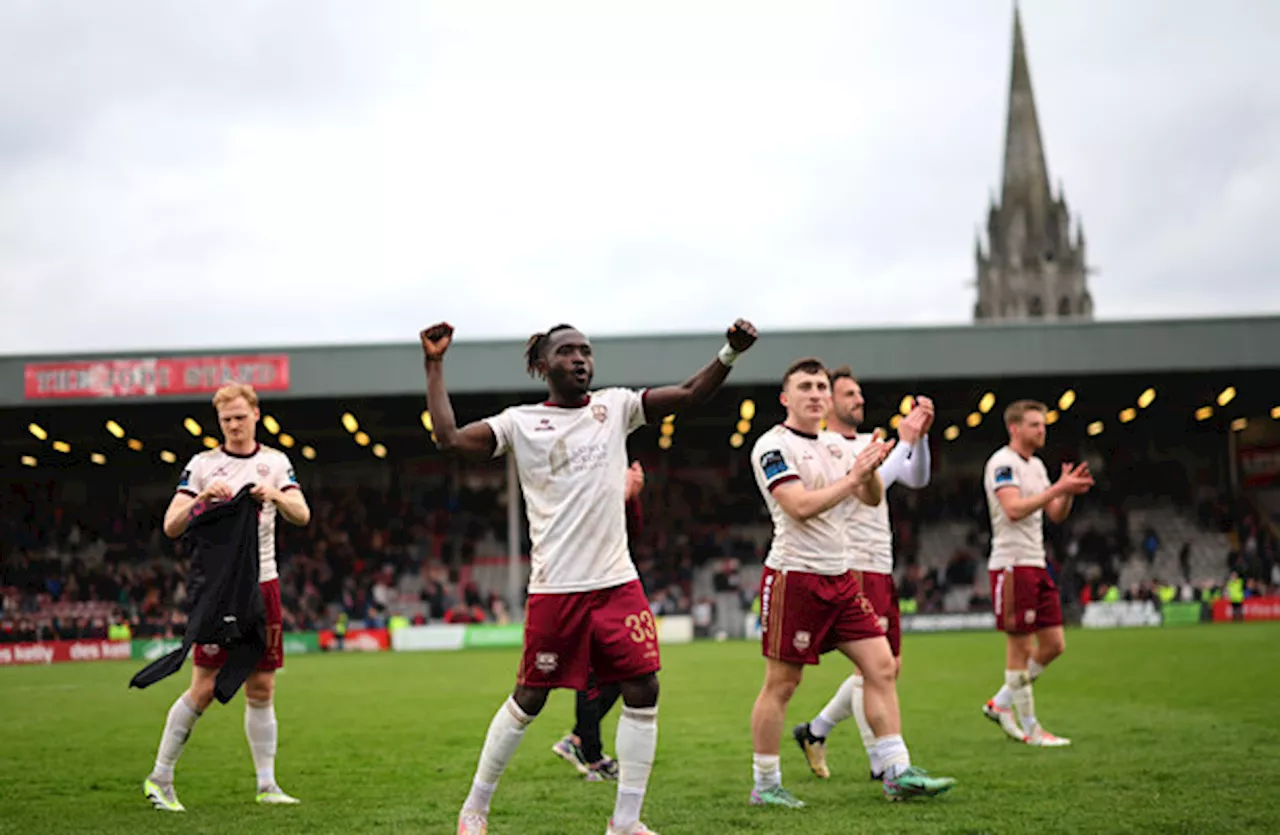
(1034, 268)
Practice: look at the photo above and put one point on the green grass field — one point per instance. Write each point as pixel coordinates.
(1175, 730)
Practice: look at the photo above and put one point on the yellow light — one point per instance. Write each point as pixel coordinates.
(744, 426)
(904, 406)
(37, 430)
(1239, 424)
(668, 429)
(1145, 399)
(1204, 413)
(973, 419)
(349, 422)
(135, 445)
(822, 425)
(286, 440)
(271, 424)
(210, 443)
(669, 419)
(98, 458)
(1275, 413)
(379, 450)
(426, 421)
(192, 426)
(1051, 417)
(894, 421)
(115, 429)
(664, 442)
(1066, 400)
(62, 446)
(988, 400)
(28, 461)
(1128, 414)
(362, 439)
(735, 440)
(1226, 395)
(1095, 428)
(168, 457)
(309, 453)
(748, 409)
(952, 432)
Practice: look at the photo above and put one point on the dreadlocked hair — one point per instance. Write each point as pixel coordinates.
(534, 347)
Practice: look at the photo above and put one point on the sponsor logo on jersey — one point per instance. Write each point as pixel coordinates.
(773, 464)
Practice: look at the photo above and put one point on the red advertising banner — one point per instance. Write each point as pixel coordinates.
(154, 377)
(1259, 465)
(56, 652)
(1255, 608)
(357, 640)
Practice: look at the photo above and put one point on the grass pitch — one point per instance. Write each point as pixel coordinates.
(1174, 730)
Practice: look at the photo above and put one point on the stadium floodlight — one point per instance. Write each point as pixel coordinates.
(309, 453)
(115, 429)
(193, 427)
(28, 460)
(987, 402)
(736, 440)
(272, 425)
(1128, 414)
(664, 442)
(747, 410)
(1067, 399)
(362, 438)
(905, 405)
(1095, 428)
(168, 457)
(379, 451)
(1275, 413)
(286, 440)
(1204, 413)
(894, 421)
(744, 426)
(973, 420)
(1226, 395)
(668, 429)
(1146, 398)
(62, 446)
(135, 445)
(37, 430)
(426, 421)
(951, 432)
(349, 422)
(1239, 424)
(1051, 417)
(98, 458)
(210, 443)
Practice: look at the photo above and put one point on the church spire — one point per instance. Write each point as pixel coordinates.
(1026, 177)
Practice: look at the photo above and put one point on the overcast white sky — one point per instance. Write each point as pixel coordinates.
(239, 173)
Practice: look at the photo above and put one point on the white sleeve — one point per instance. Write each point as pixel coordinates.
(633, 408)
(191, 482)
(1001, 473)
(503, 426)
(286, 479)
(907, 464)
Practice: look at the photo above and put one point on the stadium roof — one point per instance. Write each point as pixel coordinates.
(983, 351)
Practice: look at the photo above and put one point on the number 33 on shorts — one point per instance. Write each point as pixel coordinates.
(643, 629)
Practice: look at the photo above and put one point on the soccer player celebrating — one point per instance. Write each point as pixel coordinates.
(1026, 601)
(870, 555)
(212, 476)
(810, 601)
(586, 611)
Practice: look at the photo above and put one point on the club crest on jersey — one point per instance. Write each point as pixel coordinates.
(264, 470)
(836, 451)
(600, 412)
(802, 640)
(546, 662)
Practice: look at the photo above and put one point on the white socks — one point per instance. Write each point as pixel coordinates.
(500, 744)
(177, 729)
(893, 755)
(637, 741)
(1034, 669)
(868, 735)
(837, 710)
(1017, 692)
(767, 770)
(261, 730)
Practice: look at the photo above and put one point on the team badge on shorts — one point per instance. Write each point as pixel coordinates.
(801, 640)
(264, 470)
(546, 662)
(600, 412)
(1031, 616)
(884, 624)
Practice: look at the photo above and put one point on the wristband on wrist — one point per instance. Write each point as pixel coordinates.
(727, 356)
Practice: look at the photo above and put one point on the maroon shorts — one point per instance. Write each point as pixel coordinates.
(883, 596)
(610, 632)
(1025, 600)
(214, 656)
(804, 615)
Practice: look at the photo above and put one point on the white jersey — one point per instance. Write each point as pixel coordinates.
(870, 536)
(572, 463)
(1022, 542)
(818, 544)
(262, 466)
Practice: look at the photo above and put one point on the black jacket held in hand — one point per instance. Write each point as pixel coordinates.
(227, 607)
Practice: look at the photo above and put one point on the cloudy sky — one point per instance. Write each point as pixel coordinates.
(239, 173)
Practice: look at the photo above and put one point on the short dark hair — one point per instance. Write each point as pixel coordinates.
(536, 345)
(807, 365)
(1018, 408)
(844, 372)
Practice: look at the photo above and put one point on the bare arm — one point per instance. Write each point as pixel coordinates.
(666, 400)
(475, 441)
(1059, 509)
(293, 507)
(871, 491)
(175, 517)
(1018, 507)
(800, 503)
